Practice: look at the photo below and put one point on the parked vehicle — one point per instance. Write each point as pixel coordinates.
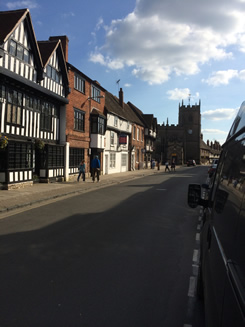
(221, 278)
(212, 170)
(191, 163)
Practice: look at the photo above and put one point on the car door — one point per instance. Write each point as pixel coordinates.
(234, 297)
(221, 232)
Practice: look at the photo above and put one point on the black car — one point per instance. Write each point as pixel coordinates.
(221, 278)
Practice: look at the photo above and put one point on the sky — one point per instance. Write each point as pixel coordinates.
(159, 52)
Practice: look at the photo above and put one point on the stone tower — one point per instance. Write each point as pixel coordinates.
(190, 121)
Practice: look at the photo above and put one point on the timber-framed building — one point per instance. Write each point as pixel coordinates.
(33, 91)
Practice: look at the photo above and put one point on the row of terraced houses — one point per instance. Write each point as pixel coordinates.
(52, 115)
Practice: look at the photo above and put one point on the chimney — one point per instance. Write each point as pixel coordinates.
(64, 42)
(121, 97)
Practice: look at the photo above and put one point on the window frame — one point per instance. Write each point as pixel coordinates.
(95, 93)
(112, 160)
(79, 120)
(112, 138)
(79, 83)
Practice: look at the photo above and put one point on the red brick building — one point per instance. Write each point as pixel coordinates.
(85, 120)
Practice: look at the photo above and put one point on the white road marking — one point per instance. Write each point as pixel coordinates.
(198, 237)
(195, 256)
(192, 286)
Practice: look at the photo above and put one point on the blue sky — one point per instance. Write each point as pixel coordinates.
(162, 52)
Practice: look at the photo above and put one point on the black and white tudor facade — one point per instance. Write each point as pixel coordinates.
(33, 90)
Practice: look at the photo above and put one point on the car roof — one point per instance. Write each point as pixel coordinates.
(238, 123)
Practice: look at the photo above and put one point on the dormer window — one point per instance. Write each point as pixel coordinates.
(53, 73)
(17, 50)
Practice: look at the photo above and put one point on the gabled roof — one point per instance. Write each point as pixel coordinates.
(113, 106)
(204, 146)
(9, 20)
(139, 113)
(47, 48)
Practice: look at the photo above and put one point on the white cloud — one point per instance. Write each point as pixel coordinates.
(22, 4)
(127, 85)
(161, 38)
(213, 131)
(221, 77)
(181, 94)
(219, 114)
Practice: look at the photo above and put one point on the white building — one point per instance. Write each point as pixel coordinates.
(118, 132)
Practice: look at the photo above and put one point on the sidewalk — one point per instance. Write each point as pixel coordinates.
(46, 192)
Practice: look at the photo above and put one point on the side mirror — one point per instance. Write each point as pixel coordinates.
(194, 195)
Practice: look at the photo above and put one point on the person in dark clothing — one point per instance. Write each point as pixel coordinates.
(166, 166)
(81, 170)
(95, 165)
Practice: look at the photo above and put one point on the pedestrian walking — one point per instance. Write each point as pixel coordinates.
(95, 165)
(166, 166)
(82, 168)
(158, 164)
(173, 166)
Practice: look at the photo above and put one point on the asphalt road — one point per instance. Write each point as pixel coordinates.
(116, 257)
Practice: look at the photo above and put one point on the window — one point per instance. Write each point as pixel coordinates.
(95, 94)
(17, 50)
(112, 160)
(112, 138)
(53, 74)
(48, 111)
(79, 83)
(142, 135)
(14, 107)
(134, 132)
(138, 134)
(55, 156)
(97, 125)
(76, 156)
(79, 117)
(115, 121)
(20, 155)
(124, 160)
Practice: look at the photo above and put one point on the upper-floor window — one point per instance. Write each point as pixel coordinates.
(48, 111)
(79, 83)
(53, 73)
(17, 50)
(112, 138)
(134, 132)
(138, 134)
(14, 107)
(79, 120)
(115, 121)
(95, 93)
(142, 135)
(97, 125)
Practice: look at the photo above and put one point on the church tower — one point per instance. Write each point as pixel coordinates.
(190, 121)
